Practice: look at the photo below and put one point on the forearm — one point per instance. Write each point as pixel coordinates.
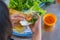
(37, 36)
(37, 32)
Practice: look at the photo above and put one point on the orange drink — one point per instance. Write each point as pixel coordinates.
(58, 1)
(49, 21)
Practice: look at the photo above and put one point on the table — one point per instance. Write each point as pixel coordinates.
(55, 35)
(20, 38)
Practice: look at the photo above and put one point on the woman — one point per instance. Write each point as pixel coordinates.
(5, 24)
(6, 27)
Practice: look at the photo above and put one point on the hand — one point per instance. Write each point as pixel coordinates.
(15, 18)
(37, 26)
(36, 29)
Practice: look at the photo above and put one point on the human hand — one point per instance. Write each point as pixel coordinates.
(36, 28)
(16, 18)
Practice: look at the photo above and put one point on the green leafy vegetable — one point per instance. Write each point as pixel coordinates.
(31, 5)
(21, 5)
(37, 8)
(47, 0)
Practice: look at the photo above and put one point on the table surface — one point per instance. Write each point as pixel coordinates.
(20, 38)
(55, 35)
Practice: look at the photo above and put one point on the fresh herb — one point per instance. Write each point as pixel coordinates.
(47, 1)
(37, 9)
(21, 5)
(30, 5)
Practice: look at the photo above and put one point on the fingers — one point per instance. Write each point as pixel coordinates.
(18, 15)
(39, 16)
(39, 20)
(22, 16)
(37, 26)
(15, 18)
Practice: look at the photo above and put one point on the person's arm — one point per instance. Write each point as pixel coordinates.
(36, 36)
(37, 30)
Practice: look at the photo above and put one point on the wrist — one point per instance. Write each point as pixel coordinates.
(36, 36)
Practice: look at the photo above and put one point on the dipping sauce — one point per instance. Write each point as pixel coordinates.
(49, 19)
(49, 22)
(58, 1)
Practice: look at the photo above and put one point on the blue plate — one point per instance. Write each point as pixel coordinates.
(23, 34)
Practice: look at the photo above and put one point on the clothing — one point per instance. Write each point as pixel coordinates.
(10, 39)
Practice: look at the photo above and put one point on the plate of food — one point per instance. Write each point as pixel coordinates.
(30, 9)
